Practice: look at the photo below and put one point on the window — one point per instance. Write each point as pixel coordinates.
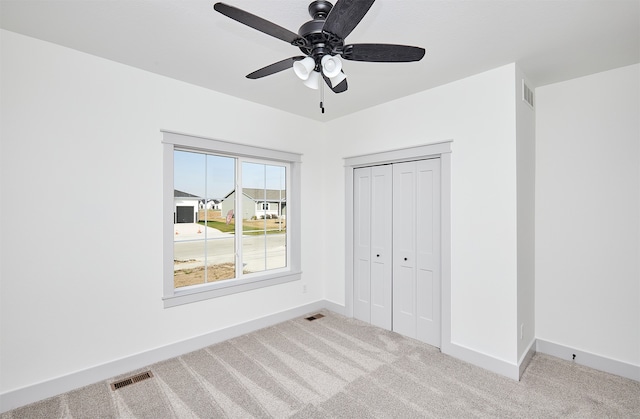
(251, 239)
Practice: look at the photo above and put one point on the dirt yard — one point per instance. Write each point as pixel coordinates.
(195, 276)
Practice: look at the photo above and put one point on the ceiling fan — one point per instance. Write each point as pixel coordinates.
(322, 41)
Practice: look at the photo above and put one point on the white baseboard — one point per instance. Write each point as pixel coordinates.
(499, 366)
(590, 360)
(43, 390)
(490, 363)
(335, 307)
(515, 372)
(523, 363)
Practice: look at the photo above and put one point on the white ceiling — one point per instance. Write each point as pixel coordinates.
(552, 40)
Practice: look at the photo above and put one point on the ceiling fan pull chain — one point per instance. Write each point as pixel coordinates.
(322, 96)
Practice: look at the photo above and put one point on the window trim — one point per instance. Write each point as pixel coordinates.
(174, 297)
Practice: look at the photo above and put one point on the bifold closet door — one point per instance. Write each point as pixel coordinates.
(416, 250)
(373, 245)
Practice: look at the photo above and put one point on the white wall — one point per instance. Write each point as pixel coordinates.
(525, 160)
(478, 113)
(587, 214)
(76, 129)
(81, 284)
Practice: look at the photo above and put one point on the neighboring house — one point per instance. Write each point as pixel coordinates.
(258, 203)
(211, 204)
(185, 207)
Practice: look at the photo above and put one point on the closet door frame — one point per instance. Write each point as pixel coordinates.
(441, 150)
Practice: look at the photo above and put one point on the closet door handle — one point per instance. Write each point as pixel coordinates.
(405, 258)
(377, 256)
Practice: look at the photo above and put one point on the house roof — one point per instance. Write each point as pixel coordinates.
(272, 195)
(180, 194)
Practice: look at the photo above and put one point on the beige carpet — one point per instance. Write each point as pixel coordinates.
(339, 367)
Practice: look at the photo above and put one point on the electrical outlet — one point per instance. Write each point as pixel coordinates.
(304, 288)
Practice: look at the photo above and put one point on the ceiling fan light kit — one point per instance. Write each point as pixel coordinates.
(331, 65)
(304, 68)
(321, 40)
(313, 81)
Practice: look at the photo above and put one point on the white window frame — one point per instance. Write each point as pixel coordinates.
(174, 297)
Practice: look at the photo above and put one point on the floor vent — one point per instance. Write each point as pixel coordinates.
(315, 316)
(131, 380)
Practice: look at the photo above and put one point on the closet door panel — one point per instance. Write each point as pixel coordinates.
(362, 244)
(404, 248)
(380, 297)
(381, 245)
(428, 251)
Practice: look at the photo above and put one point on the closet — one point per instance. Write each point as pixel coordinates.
(397, 248)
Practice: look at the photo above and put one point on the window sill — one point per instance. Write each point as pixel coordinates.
(219, 289)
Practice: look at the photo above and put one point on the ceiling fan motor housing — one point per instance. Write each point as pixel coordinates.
(314, 41)
(319, 9)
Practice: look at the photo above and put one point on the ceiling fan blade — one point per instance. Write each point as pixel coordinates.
(345, 16)
(274, 68)
(339, 88)
(257, 23)
(382, 53)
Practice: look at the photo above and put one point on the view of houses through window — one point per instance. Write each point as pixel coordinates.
(221, 233)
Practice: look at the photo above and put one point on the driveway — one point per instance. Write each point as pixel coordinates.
(194, 231)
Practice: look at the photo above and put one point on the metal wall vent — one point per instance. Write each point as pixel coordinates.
(131, 380)
(527, 94)
(315, 316)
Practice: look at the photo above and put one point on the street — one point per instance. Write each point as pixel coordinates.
(258, 252)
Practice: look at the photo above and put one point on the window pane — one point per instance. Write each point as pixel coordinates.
(264, 222)
(276, 235)
(189, 253)
(204, 240)
(220, 224)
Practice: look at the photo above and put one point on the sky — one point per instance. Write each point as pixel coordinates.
(211, 176)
